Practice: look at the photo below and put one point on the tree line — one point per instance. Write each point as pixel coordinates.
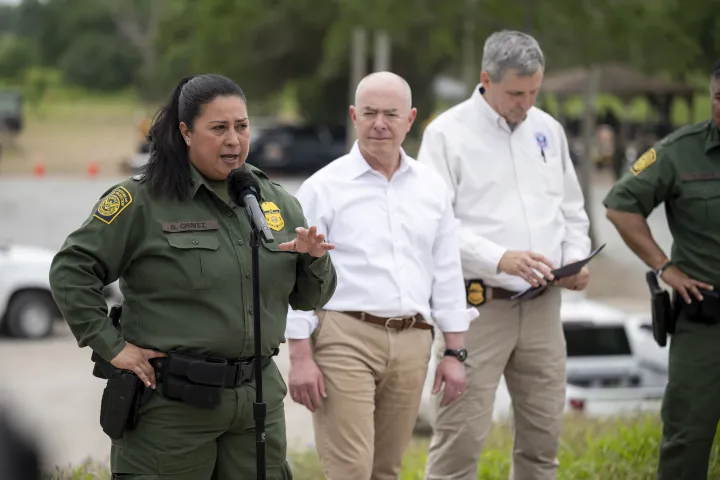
(302, 47)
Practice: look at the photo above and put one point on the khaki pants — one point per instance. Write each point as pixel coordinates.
(374, 378)
(527, 344)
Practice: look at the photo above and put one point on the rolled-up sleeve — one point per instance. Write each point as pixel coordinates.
(301, 318)
(449, 308)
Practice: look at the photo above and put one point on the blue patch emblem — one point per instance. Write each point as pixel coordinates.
(541, 140)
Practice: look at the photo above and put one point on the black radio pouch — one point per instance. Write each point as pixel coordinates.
(120, 402)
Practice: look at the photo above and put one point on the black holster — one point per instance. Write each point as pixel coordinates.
(199, 380)
(663, 314)
(124, 392)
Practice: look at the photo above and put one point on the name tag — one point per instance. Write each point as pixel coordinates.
(700, 176)
(195, 226)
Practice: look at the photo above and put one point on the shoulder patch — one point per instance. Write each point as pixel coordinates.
(113, 204)
(645, 160)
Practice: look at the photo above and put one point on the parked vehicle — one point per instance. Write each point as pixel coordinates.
(302, 149)
(27, 308)
(613, 364)
(11, 119)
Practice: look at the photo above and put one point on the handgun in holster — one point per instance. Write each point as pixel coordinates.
(663, 320)
(124, 393)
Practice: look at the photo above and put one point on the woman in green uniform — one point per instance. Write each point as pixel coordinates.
(181, 250)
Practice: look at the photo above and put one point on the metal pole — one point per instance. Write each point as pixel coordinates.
(358, 59)
(381, 57)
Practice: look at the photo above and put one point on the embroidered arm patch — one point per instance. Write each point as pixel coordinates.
(647, 159)
(113, 204)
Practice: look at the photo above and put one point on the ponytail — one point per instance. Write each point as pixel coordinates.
(167, 171)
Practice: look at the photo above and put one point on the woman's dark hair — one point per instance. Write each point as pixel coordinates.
(167, 172)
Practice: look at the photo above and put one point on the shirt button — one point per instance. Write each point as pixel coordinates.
(241, 242)
(248, 275)
(195, 242)
(250, 311)
(229, 214)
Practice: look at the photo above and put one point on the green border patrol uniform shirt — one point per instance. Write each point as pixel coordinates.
(185, 271)
(682, 170)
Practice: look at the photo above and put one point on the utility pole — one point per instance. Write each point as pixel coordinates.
(469, 74)
(358, 68)
(381, 56)
(588, 134)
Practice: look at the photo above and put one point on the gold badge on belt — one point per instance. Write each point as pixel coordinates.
(475, 290)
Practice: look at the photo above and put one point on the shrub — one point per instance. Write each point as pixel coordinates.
(591, 449)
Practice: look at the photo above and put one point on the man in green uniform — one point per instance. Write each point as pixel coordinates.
(185, 274)
(683, 170)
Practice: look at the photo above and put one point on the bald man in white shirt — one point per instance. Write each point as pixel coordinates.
(360, 364)
(521, 213)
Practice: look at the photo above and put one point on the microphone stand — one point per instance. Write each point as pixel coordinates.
(259, 407)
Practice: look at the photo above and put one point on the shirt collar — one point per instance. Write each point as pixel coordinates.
(360, 166)
(197, 180)
(487, 112)
(713, 137)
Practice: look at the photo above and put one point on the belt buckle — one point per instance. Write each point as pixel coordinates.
(405, 324)
(244, 373)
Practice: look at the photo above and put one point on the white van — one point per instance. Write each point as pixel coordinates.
(613, 365)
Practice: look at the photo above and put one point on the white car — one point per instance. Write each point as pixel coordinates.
(27, 308)
(613, 363)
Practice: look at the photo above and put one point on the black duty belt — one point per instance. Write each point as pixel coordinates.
(199, 380)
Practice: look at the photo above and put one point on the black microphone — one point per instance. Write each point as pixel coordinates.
(244, 190)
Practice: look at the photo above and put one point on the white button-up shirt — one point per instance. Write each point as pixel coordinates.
(396, 251)
(511, 190)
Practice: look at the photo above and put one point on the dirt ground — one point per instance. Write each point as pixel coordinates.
(67, 141)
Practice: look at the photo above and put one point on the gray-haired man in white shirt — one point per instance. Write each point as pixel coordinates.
(360, 364)
(521, 214)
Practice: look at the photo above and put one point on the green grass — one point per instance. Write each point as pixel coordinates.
(590, 450)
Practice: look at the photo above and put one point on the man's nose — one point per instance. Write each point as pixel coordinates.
(380, 122)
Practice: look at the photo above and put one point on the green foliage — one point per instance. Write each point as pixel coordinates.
(113, 66)
(303, 46)
(623, 448)
(16, 56)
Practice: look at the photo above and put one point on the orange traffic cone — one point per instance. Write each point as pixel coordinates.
(39, 169)
(93, 169)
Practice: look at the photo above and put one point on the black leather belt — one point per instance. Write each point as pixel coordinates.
(498, 293)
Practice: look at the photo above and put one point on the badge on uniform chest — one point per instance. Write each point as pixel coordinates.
(273, 217)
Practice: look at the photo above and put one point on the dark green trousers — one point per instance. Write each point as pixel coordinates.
(175, 441)
(691, 405)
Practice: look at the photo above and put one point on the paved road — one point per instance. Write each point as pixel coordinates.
(49, 383)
